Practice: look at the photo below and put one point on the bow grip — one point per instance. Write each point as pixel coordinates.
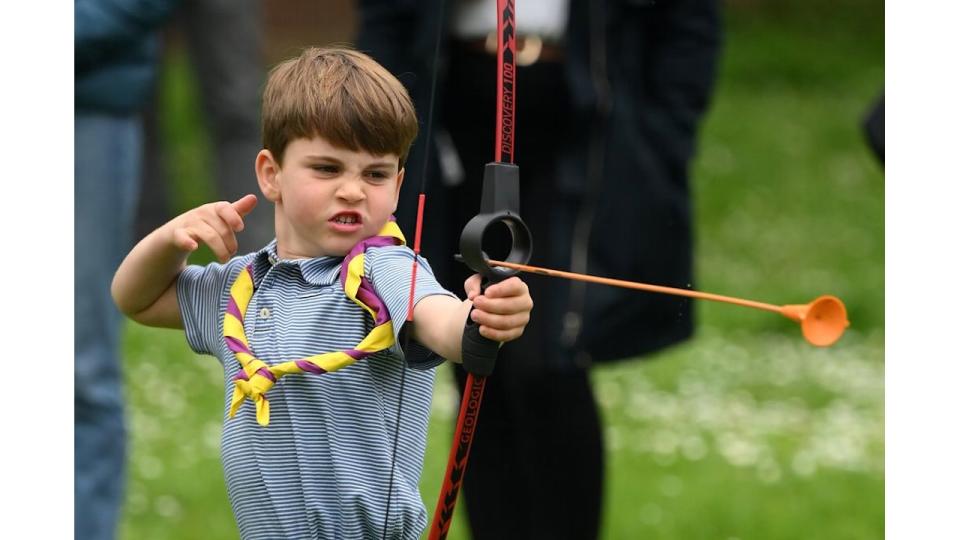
(479, 353)
(500, 205)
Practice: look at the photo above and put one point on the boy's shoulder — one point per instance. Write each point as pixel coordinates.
(390, 269)
(391, 251)
(381, 257)
(233, 265)
(215, 274)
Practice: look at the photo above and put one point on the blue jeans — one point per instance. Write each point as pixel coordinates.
(106, 177)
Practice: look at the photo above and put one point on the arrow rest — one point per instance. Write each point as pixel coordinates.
(500, 205)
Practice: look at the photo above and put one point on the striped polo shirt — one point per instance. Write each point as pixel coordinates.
(321, 468)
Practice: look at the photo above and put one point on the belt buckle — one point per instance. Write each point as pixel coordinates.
(528, 48)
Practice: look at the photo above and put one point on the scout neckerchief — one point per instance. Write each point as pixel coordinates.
(256, 377)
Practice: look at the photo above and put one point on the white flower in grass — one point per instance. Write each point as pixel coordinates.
(186, 455)
(608, 394)
(211, 436)
(780, 417)
(667, 408)
(671, 486)
(150, 428)
(614, 438)
(804, 463)
(847, 438)
(665, 442)
(146, 370)
(445, 399)
(174, 403)
(149, 467)
(144, 428)
(783, 371)
(738, 450)
(136, 502)
(740, 410)
(642, 405)
(708, 412)
(213, 372)
(167, 506)
(691, 385)
(693, 447)
(768, 471)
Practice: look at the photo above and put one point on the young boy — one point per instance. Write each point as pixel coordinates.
(307, 446)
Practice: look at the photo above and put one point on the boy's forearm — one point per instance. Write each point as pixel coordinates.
(147, 272)
(502, 311)
(439, 324)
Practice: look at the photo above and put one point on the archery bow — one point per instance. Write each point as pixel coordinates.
(500, 205)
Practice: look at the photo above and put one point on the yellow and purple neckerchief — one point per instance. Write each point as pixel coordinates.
(256, 377)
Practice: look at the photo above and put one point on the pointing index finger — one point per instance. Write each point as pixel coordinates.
(244, 205)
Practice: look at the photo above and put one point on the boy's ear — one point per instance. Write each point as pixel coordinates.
(268, 175)
(396, 195)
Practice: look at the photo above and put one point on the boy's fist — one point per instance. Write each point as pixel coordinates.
(503, 310)
(214, 224)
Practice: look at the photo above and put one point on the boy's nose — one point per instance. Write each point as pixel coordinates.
(351, 190)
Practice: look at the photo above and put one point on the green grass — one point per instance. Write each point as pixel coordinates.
(744, 432)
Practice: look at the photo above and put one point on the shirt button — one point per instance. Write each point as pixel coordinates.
(264, 313)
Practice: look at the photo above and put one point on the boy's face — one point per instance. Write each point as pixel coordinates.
(328, 198)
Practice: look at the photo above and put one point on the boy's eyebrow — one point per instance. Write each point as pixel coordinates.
(319, 157)
(375, 165)
(382, 164)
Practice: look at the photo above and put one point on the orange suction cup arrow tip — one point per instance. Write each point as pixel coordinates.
(823, 321)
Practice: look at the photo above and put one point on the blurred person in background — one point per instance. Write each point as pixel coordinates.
(610, 96)
(873, 128)
(115, 60)
(224, 42)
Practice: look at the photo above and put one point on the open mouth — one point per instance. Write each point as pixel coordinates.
(346, 218)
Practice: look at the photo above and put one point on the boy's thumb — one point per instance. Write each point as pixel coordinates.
(245, 204)
(472, 286)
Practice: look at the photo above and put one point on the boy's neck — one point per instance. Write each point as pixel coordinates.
(292, 255)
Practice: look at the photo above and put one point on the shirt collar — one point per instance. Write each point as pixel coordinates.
(316, 271)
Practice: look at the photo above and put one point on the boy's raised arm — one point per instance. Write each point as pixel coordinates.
(144, 287)
(502, 312)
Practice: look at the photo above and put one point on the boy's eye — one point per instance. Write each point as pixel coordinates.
(378, 174)
(328, 169)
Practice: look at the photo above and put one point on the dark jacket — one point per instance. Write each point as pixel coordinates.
(115, 53)
(639, 75)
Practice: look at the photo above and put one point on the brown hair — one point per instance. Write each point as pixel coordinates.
(341, 95)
